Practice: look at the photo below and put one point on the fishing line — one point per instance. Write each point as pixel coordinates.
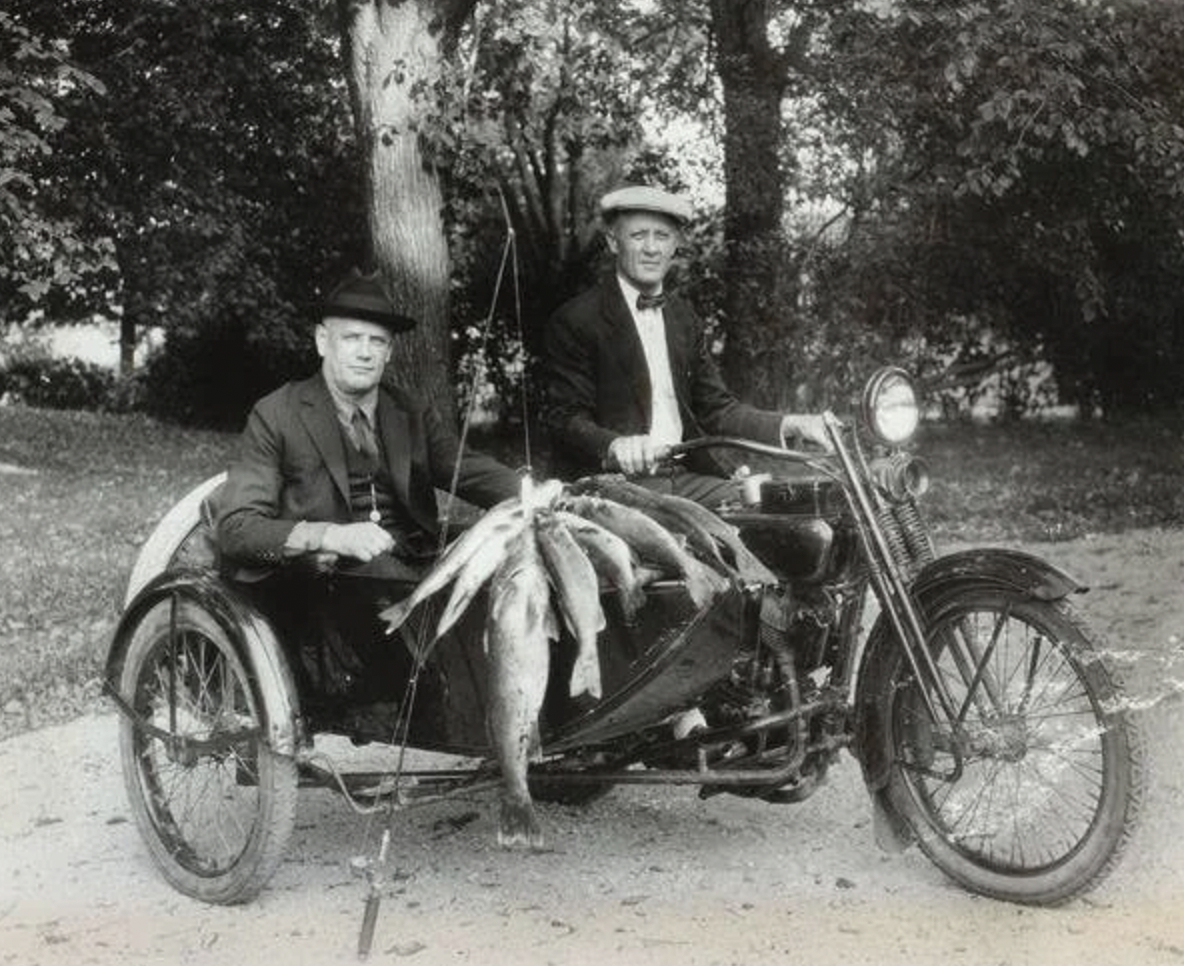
(509, 248)
(401, 728)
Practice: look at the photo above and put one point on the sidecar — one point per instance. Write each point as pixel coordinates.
(218, 723)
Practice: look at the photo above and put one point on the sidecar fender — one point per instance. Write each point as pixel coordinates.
(944, 576)
(251, 635)
(158, 551)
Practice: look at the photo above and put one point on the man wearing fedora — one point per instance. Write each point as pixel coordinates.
(330, 507)
(628, 370)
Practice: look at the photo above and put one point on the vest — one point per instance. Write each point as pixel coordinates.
(371, 490)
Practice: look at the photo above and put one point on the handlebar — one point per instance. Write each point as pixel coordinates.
(820, 462)
(736, 442)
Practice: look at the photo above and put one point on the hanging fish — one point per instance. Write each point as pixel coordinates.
(611, 557)
(508, 515)
(651, 541)
(517, 643)
(577, 597)
(706, 532)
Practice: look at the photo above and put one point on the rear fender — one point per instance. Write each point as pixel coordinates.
(251, 635)
(942, 578)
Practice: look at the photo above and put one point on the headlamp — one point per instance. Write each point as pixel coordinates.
(890, 407)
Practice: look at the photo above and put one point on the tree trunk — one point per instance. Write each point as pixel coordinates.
(394, 51)
(127, 344)
(761, 293)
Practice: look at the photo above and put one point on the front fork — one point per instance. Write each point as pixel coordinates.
(892, 589)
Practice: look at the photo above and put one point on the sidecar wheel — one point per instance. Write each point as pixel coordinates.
(1038, 796)
(215, 817)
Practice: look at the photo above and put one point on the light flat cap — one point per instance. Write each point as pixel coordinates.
(363, 297)
(645, 198)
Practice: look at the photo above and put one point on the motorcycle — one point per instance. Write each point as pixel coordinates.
(989, 728)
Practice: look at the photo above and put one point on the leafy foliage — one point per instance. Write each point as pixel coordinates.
(529, 153)
(220, 166)
(40, 248)
(36, 378)
(1019, 171)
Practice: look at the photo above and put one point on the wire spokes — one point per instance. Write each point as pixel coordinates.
(1031, 745)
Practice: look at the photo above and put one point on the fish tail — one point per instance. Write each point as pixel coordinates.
(632, 600)
(518, 825)
(585, 673)
(395, 615)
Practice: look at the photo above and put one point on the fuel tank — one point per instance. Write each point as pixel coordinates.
(796, 528)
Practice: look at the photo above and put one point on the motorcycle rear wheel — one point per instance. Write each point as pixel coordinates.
(1037, 796)
(215, 820)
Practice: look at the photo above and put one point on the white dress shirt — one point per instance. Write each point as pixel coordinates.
(665, 422)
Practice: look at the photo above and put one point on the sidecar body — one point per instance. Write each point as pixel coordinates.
(650, 666)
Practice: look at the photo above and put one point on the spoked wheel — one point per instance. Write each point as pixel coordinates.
(1034, 795)
(214, 805)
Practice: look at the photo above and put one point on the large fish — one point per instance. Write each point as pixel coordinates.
(611, 557)
(681, 515)
(673, 516)
(650, 541)
(478, 569)
(508, 515)
(577, 594)
(518, 633)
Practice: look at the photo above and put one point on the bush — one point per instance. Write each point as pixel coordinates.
(35, 378)
(212, 376)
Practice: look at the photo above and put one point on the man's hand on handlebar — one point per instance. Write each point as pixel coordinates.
(362, 541)
(637, 455)
(804, 428)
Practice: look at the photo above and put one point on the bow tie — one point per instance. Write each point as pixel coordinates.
(650, 301)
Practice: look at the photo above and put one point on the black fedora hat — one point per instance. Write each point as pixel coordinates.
(363, 297)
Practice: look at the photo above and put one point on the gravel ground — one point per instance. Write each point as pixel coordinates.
(645, 877)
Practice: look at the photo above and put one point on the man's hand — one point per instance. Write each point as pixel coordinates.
(797, 429)
(636, 455)
(363, 541)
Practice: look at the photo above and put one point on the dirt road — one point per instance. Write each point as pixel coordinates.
(645, 877)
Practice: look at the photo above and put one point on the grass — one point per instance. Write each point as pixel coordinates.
(86, 492)
(79, 492)
(1049, 481)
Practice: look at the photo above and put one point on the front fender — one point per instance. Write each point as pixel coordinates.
(951, 574)
(250, 633)
(1015, 569)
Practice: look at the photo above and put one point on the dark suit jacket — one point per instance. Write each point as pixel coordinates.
(598, 384)
(291, 467)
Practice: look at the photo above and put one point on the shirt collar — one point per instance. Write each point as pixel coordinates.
(631, 291)
(345, 405)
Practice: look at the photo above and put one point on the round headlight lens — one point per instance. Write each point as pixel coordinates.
(890, 406)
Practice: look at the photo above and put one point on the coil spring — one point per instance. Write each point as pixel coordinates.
(907, 537)
(894, 535)
(916, 533)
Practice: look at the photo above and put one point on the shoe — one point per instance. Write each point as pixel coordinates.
(683, 723)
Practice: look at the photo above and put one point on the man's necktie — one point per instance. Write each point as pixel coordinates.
(363, 434)
(650, 301)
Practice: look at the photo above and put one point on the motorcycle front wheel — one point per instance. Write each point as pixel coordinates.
(1031, 794)
(213, 803)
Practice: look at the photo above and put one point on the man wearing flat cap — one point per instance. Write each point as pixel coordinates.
(336, 474)
(629, 371)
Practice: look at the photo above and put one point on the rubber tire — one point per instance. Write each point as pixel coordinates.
(269, 797)
(1121, 791)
